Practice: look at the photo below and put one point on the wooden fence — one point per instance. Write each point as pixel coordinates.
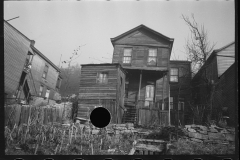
(20, 114)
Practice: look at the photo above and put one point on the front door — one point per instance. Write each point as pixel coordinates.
(149, 95)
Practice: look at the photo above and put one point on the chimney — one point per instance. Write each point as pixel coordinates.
(32, 42)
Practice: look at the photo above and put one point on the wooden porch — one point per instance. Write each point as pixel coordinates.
(149, 113)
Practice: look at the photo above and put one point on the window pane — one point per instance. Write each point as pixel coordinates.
(127, 52)
(44, 75)
(152, 60)
(126, 59)
(153, 52)
(174, 78)
(174, 71)
(171, 99)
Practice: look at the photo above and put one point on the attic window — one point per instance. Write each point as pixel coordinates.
(102, 77)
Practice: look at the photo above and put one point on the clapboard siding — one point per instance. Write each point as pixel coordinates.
(228, 98)
(110, 95)
(37, 69)
(224, 63)
(16, 48)
(140, 56)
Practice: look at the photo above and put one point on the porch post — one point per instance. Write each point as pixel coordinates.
(169, 110)
(163, 90)
(140, 82)
(139, 90)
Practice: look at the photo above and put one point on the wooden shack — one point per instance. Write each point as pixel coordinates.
(102, 85)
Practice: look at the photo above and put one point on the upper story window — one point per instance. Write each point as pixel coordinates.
(40, 90)
(58, 83)
(102, 77)
(127, 55)
(45, 71)
(174, 75)
(152, 56)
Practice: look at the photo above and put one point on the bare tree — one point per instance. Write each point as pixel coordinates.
(198, 46)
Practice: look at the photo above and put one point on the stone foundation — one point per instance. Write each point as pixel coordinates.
(212, 134)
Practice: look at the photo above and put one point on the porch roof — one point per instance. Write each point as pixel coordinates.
(159, 69)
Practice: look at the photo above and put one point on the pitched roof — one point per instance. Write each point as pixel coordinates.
(45, 58)
(214, 52)
(138, 27)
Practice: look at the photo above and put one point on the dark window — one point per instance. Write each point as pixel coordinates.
(171, 102)
(58, 83)
(45, 71)
(174, 75)
(127, 55)
(102, 77)
(152, 57)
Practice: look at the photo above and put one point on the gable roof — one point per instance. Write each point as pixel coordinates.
(214, 52)
(145, 27)
(45, 58)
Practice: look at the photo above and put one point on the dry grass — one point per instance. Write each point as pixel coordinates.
(186, 147)
(55, 139)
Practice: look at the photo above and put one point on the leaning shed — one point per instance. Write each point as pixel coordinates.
(102, 85)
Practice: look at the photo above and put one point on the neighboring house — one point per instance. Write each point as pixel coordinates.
(145, 55)
(45, 77)
(101, 85)
(27, 71)
(180, 91)
(218, 71)
(17, 59)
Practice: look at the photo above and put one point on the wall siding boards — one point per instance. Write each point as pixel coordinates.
(16, 48)
(50, 82)
(109, 94)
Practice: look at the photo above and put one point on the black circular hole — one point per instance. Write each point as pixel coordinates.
(100, 117)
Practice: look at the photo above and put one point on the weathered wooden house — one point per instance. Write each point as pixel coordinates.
(102, 85)
(180, 91)
(145, 55)
(16, 66)
(27, 71)
(217, 76)
(45, 77)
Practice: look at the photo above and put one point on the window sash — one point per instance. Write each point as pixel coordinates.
(174, 71)
(127, 52)
(127, 59)
(40, 90)
(149, 91)
(152, 53)
(44, 75)
(102, 78)
(174, 78)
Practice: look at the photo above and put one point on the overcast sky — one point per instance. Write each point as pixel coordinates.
(59, 28)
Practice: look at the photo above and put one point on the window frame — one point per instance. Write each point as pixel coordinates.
(150, 56)
(177, 75)
(45, 71)
(41, 91)
(171, 102)
(47, 92)
(124, 56)
(98, 79)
